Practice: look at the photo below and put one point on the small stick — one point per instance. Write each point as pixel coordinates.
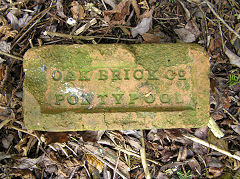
(44, 12)
(10, 55)
(76, 37)
(200, 141)
(215, 13)
(143, 158)
(237, 122)
(104, 4)
(133, 153)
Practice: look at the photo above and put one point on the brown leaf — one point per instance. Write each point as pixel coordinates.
(189, 33)
(182, 154)
(236, 128)
(215, 172)
(221, 143)
(158, 37)
(77, 11)
(93, 161)
(195, 166)
(91, 136)
(53, 137)
(201, 133)
(217, 116)
(118, 14)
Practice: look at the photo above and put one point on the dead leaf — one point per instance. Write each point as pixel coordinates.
(201, 133)
(60, 9)
(77, 11)
(217, 116)
(118, 14)
(24, 20)
(5, 29)
(91, 136)
(182, 154)
(195, 166)
(53, 137)
(23, 173)
(6, 141)
(158, 37)
(236, 128)
(189, 33)
(214, 172)
(4, 46)
(233, 58)
(93, 161)
(111, 3)
(27, 163)
(142, 27)
(221, 143)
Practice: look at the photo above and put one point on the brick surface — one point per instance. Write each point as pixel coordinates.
(107, 87)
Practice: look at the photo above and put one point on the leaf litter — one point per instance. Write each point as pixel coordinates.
(107, 154)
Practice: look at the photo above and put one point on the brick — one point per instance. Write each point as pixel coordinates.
(108, 87)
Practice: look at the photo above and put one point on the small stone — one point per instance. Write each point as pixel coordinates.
(115, 87)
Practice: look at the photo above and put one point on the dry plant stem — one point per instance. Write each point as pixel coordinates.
(235, 120)
(200, 141)
(114, 172)
(143, 158)
(215, 13)
(37, 21)
(135, 154)
(11, 56)
(75, 37)
(104, 4)
(24, 131)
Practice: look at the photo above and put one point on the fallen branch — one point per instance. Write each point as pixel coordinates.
(200, 141)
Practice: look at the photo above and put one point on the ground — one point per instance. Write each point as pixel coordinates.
(162, 153)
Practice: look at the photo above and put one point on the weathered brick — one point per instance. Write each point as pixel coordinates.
(99, 87)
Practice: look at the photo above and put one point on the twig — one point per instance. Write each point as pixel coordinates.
(44, 12)
(75, 37)
(200, 141)
(231, 116)
(10, 55)
(215, 13)
(143, 158)
(188, 15)
(25, 131)
(104, 4)
(133, 153)
(114, 172)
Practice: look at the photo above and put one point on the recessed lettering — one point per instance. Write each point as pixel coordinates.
(72, 99)
(57, 75)
(138, 74)
(100, 86)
